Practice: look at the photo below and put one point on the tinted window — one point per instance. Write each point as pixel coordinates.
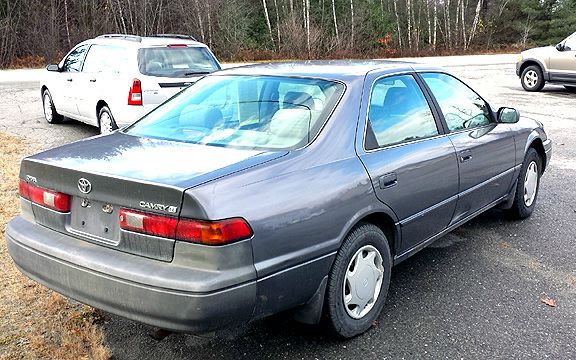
(106, 58)
(399, 111)
(73, 62)
(178, 61)
(257, 112)
(462, 107)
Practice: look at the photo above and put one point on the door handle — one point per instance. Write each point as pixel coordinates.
(388, 180)
(465, 155)
(92, 80)
(68, 79)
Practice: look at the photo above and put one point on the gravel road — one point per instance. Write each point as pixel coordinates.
(476, 293)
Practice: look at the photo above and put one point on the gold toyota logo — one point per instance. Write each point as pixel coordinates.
(84, 186)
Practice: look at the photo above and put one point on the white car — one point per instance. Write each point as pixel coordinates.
(113, 80)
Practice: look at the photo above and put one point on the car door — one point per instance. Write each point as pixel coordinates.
(411, 163)
(485, 149)
(67, 82)
(90, 80)
(563, 63)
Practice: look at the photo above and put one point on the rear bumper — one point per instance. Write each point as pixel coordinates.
(167, 306)
(127, 114)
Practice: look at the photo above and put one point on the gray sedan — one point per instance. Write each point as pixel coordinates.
(272, 187)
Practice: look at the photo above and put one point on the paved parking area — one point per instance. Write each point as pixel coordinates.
(476, 293)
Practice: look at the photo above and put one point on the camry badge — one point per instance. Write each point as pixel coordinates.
(84, 186)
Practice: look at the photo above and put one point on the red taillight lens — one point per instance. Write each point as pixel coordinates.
(50, 199)
(213, 232)
(150, 224)
(177, 45)
(135, 94)
(203, 232)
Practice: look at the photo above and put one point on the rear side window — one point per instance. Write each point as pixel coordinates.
(176, 61)
(462, 108)
(107, 58)
(399, 112)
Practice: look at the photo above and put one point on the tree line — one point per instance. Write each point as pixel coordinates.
(274, 29)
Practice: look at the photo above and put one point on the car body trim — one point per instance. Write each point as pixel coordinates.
(405, 255)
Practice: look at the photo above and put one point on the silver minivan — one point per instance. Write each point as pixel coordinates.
(112, 80)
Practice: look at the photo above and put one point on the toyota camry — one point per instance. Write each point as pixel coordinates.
(272, 187)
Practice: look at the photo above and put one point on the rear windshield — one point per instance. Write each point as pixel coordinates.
(256, 112)
(176, 61)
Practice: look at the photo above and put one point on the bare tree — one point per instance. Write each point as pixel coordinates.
(267, 20)
(335, 22)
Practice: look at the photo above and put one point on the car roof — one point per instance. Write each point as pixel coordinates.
(328, 69)
(141, 41)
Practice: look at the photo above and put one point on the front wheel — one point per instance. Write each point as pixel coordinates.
(532, 78)
(106, 120)
(358, 282)
(528, 184)
(50, 114)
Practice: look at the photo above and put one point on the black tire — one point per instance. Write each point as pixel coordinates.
(50, 114)
(522, 209)
(532, 78)
(106, 121)
(570, 88)
(337, 317)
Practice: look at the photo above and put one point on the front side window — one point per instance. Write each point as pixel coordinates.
(176, 61)
(256, 112)
(399, 111)
(462, 108)
(74, 60)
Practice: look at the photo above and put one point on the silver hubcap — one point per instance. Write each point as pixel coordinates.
(47, 108)
(531, 78)
(105, 123)
(363, 281)
(530, 183)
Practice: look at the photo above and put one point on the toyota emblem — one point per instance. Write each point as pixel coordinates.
(84, 186)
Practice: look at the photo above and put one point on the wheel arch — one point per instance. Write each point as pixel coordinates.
(536, 144)
(99, 105)
(529, 62)
(383, 218)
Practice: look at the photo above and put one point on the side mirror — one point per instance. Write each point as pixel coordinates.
(560, 47)
(53, 67)
(508, 115)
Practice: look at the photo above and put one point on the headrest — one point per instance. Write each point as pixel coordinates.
(297, 100)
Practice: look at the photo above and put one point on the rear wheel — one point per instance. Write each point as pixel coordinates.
(50, 114)
(106, 120)
(532, 78)
(528, 184)
(358, 282)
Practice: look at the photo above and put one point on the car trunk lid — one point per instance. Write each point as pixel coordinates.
(103, 175)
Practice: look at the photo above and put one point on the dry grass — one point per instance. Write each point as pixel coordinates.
(37, 323)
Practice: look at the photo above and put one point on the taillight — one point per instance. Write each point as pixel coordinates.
(177, 45)
(213, 232)
(150, 224)
(199, 231)
(50, 199)
(135, 94)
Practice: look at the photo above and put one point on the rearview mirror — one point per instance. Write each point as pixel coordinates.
(53, 67)
(560, 47)
(508, 115)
